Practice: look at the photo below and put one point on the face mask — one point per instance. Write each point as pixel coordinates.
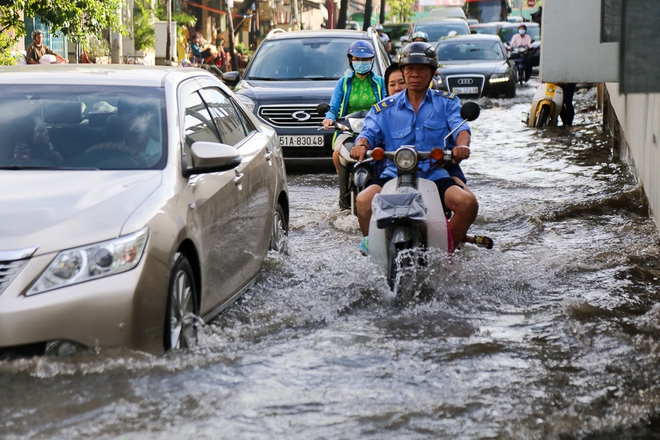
(521, 31)
(362, 67)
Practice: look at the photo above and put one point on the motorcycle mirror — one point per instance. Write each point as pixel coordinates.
(322, 108)
(470, 111)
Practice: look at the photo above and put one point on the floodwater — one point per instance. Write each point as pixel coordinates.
(553, 334)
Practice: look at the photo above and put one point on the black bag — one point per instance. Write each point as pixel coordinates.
(406, 204)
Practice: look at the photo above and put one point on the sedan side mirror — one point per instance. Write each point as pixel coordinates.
(211, 157)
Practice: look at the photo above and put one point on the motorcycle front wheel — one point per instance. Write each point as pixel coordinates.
(344, 188)
(402, 268)
(543, 117)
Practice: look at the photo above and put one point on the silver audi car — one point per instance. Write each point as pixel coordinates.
(136, 203)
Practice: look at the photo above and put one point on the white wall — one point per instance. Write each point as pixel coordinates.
(639, 116)
(571, 50)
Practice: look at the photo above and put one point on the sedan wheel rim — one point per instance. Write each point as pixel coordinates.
(182, 313)
(279, 233)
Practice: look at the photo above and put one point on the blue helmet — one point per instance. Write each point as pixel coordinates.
(360, 49)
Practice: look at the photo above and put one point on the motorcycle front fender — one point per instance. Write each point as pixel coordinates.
(402, 234)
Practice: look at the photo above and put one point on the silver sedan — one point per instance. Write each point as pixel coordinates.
(136, 200)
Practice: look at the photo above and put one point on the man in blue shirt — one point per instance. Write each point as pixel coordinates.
(421, 117)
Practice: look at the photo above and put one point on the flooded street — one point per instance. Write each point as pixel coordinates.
(553, 334)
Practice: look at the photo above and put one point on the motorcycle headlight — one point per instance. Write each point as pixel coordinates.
(405, 159)
(356, 124)
(361, 176)
(249, 103)
(91, 262)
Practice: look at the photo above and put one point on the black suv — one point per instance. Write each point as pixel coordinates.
(289, 75)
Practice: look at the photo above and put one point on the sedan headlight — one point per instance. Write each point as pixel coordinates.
(91, 262)
(249, 103)
(405, 159)
(497, 78)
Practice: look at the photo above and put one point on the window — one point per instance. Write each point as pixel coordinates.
(197, 123)
(228, 120)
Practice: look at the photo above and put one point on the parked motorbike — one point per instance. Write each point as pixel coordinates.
(546, 106)
(353, 175)
(408, 217)
(518, 55)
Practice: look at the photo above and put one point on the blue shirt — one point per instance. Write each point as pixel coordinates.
(393, 122)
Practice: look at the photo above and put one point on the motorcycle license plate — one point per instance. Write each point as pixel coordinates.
(301, 141)
(466, 90)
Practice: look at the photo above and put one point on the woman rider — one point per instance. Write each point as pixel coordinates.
(358, 90)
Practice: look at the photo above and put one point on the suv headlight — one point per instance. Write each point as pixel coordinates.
(249, 103)
(91, 262)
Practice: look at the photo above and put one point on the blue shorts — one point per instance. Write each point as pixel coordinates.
(455, 170)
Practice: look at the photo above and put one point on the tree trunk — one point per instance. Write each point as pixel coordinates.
(230, 23)
(367, 15)
(382, 12)
(168, 41)
(341, 20)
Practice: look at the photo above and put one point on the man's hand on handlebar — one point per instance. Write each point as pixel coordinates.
(359, 151)
(459, 153)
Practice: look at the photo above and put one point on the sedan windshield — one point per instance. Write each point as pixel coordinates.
(435, 31)
(81, 127)
(301, 59)
(468, 51)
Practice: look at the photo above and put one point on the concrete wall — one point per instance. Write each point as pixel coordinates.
(637, 137)
(571, 50)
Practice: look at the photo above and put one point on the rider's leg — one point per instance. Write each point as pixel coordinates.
(335, 160)
(465, 208)
(363, 204)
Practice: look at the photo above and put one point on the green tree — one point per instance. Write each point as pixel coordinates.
(402, 9)
(76, 19)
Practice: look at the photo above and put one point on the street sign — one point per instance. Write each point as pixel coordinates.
(531, 3)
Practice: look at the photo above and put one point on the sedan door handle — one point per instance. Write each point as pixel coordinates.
(269, 157)
(238, 180)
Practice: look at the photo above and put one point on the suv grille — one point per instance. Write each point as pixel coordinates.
(9, 270)
(291, 116)
(465, 82)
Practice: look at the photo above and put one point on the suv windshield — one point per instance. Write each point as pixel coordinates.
(301, 59)
(81, 127)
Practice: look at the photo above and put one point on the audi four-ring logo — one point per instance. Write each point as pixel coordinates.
(465, 81)
(301, 116)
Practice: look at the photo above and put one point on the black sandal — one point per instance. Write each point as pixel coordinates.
(482, 240)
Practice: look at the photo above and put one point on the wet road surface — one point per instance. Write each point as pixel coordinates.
(552, 334)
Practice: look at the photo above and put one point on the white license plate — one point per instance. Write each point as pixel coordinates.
(301, 141)
(466, 90)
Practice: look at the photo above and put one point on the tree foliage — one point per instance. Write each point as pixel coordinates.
(76, 19)
(401, 9)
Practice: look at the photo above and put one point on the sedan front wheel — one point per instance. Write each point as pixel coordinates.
(181, 316)
(280, 231)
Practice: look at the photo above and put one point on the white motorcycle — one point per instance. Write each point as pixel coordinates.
(408, 217)
(353, 175)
